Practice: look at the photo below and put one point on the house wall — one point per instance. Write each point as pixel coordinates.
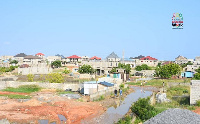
(194, 91)
(113, 59)
(20, 60)
(105, 65)
(152, 63)
(32, 61)
(53, 58)
(192, 68)
(39, 69)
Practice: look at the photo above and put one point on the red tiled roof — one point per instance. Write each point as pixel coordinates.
(74, 57)
(148, 58)
(40, 54)
(95, 57)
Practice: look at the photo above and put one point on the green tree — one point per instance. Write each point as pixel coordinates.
(86, 69)
(168, 70)
(138, 68)
(142, 67)
(66, 71)
(197, 75)
(126, 67)
(113, 70)
(56, 64)
(14, 62)
(54, 78)
(143, 109)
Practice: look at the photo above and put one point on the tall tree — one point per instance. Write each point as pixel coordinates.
(86, 69)
(142, 67)
(56, 64)
(13, 62)
(168, 70)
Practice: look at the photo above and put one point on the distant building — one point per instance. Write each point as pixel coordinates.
(41, 55)
(113, 57)
(20, 58)
(62, 57)
(148, 60)
(191, 68)
(95, 58)
(138, 57)
(181, 60)
(187, 74)
(32, 60)
(85, 58)
(167, 62)
(74, 58)
(34, 65)
(197, 60)
(51, 59)
(6, 57)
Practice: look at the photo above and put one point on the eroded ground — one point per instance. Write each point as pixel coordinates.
(47, 105)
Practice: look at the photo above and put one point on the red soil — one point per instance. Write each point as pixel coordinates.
(33, 110)
(17, 93)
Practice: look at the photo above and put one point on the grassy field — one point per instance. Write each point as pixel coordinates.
(176, 102)
(159, 82)
(23, 89)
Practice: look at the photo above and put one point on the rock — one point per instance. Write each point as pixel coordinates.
(4, 121)
(162, 97)
(175, 116)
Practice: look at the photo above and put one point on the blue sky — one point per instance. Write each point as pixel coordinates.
(99, 27)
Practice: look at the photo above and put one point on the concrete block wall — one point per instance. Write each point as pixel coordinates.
(194, 91)
(103, 92)
(63, 86)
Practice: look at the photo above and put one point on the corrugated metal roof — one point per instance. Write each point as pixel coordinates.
(107, 84)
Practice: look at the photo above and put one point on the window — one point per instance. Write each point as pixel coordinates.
(141, 61)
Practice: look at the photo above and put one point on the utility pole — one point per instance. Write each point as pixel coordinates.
(123, 56)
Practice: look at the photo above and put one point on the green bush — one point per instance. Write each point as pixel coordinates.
(121, 86)
(66, 71)
(54, 78)
(143, 109)
(100, 98)
(30, 77)
(126, 120)
(198, 103)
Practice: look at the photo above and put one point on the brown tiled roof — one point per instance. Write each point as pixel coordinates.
(32, 57)
(24, 66)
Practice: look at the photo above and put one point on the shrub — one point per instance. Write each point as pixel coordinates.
(143, 109)
(55, 78)
(121, 86)
(100, 98)
(126, 120)
(30, 77)
(198, 103)
(66, 71)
